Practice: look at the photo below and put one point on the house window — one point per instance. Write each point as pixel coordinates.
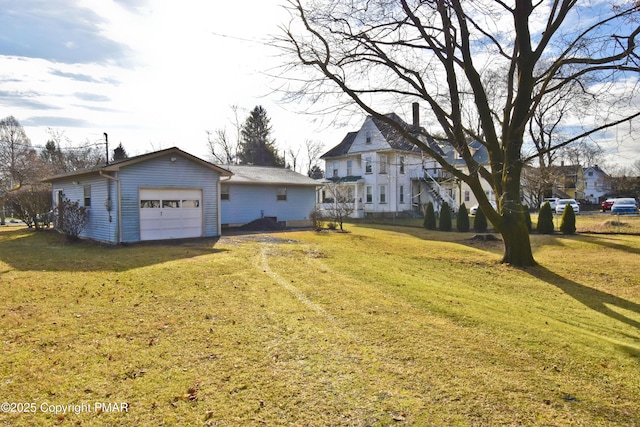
(382, 192)
(401, 194)
(368, 136)
(590, 173)
(224, 192)
(383, 163)
(281, 194)
(335, 169)
(350, 195)
(467, 196)
(369, 194)
(87, 196)
(402, 164)
(349, 167)
(368, 165)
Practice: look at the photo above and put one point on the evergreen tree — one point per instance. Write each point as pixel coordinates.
(545, 220)
(445, 217)
(480, 222)
(462, 220)
(568, 221)
(256, 145)
(119, 153)
(429, 217)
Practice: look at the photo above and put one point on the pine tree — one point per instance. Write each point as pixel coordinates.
(568, 221)
(545, 220)
(480, 222)
(119, 153)
(462, 220)
(445, 217)
(256, 145)
(429, 217)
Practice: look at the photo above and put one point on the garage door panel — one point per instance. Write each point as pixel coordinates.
(176, 214)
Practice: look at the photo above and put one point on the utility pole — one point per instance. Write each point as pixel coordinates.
(106, 142)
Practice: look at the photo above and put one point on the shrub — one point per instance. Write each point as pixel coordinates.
(71, 218)
(316, 218)
(545, 220)
(445, 217)
(462, 220)
(332, 226)
(429, 217)
(480, 222)
(568, 221)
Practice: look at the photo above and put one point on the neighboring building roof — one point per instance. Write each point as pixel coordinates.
(115, 166)
(395, 138)
(480, 154)
(341, 149)
(596, 168)
(265, 175)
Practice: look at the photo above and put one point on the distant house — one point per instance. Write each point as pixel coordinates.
(167, 194)
(376, 171)
(255, 192)
(566, 181)
(597, 184)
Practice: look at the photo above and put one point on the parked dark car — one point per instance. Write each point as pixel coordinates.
(606, 205)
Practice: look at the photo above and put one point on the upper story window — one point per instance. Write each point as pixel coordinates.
(383, 163)
(401, 166)
(368, 165)
(224, 192)
(87, 195)
(349, 167)
(335, 169)
(368, 136)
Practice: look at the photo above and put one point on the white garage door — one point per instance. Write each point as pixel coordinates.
(170, 213)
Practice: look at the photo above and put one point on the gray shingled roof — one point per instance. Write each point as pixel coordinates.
(341, 149)
(264, 175)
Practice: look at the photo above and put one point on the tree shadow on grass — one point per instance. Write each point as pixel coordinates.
(610, 242)
(592, 298)
(27, 250)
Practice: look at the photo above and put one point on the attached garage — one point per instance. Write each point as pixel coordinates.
(167, 194)
(170, 213)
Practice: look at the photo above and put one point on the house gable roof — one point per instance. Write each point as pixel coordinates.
(266, 175)
(117, 165)
(390, 134)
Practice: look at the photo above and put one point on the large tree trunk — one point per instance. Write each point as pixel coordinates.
(515, 235)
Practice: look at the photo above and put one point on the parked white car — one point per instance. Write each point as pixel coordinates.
(474, 208)
(562, 203)
(552, 202)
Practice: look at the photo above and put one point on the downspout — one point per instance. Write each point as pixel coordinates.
(119, 216)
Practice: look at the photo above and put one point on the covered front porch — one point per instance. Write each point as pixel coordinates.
(342, 197)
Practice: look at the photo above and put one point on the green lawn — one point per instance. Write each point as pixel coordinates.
(384, 325)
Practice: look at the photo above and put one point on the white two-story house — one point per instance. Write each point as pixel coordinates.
(377, 171)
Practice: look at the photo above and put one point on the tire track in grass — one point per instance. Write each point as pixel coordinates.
(264, 265)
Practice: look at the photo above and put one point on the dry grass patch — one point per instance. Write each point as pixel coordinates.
(380, 326)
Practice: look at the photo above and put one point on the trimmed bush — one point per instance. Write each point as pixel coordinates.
(568, 221)
(445, 217)
(480, 222)
(545, 220)
(462, 220)
(429, 217)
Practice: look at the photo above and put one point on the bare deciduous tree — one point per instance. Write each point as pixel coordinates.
(380, 53)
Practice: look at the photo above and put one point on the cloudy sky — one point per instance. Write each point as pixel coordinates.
(158, 73)
(152, 74)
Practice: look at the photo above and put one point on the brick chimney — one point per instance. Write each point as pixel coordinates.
(416, 115)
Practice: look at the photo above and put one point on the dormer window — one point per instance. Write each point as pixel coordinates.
(368, 136)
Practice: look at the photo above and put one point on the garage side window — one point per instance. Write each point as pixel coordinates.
(224, 192)
(87, 196)
(281, 194)
(149, 204)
